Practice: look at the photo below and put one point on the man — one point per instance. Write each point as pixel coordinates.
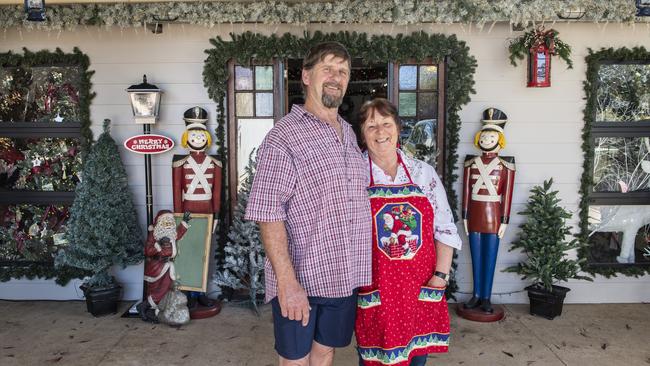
(309, 198)
(487, 196)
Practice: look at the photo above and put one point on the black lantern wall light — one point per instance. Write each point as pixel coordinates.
(145, 102)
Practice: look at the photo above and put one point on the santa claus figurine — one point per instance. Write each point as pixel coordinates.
(160, 251)
(488, 183)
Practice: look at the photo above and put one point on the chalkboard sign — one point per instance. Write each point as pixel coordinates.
(191, 262)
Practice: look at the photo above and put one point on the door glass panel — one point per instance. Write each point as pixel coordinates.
(243, 78)
(408, 77)
(250, 133)
(429, 77)
(427, 105)
(263, 77)
(244, 104)
(407, 104)
(264, 104)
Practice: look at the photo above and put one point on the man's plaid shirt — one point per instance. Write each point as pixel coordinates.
(317, 185)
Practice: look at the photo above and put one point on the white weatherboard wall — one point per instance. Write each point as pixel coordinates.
(543, 133)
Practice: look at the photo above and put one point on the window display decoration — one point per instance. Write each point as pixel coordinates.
(30, 237)
(416, 46)
(46, 86)
(40, 164)
(592, 217)
(39, 93)
(211, 13)
(539, 44)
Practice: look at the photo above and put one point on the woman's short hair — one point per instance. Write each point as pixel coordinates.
(378, 105)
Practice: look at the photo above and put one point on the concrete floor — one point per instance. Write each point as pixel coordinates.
(63, 333)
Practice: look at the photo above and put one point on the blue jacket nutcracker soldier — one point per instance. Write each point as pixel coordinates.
(196, 180)
(487, 196)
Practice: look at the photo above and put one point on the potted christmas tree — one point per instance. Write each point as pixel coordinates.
(243, 265)
(543, 239)
(103, 227)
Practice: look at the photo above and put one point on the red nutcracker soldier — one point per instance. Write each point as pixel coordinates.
(487, 196)
(160, 251)
(196, 177)
(196, 180)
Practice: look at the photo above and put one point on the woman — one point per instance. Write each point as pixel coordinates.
(403, 315)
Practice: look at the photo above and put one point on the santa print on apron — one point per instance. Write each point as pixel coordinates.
(398, 316)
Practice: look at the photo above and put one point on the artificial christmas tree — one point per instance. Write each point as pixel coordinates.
(103, 227)
(243, 265)
(543, 239)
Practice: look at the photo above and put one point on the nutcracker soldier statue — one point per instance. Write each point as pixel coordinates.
(487, 196)
(196, 180)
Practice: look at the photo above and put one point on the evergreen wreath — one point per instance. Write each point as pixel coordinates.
(45, 58)
(417, 46)
(520, 47)
(590, 85)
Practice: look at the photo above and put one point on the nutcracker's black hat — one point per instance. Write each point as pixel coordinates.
(494, 120)
(195, 118)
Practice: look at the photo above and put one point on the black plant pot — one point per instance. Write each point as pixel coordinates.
(102, 300)
(544, 303)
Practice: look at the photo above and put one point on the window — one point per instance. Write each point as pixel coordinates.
(42, 111)
(253, 109)
(619, 199)
(420, 102)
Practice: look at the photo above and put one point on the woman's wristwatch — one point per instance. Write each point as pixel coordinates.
(444, 276)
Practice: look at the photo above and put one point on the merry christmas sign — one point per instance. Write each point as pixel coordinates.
(149, 144)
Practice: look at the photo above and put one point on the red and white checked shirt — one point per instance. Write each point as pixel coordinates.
(317, 185)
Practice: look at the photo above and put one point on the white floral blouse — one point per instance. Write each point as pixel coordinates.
(425, 176)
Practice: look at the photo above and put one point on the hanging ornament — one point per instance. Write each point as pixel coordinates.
(36, 164)
(65, 175)
(539, 45)
(58, 118)
(34, 230)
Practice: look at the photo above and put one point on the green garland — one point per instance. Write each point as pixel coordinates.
(594, 60)
(379, 48)
(211, 13)
(56, 58)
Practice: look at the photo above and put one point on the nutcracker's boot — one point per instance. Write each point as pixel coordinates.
(473, 303)
(486, 306)
(204, 300)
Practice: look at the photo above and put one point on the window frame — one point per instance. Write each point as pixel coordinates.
(393, 96)
(232, 125)
(79, 129)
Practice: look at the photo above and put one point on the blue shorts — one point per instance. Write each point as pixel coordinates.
(331, 322)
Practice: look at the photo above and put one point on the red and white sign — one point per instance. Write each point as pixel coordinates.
(149, 144)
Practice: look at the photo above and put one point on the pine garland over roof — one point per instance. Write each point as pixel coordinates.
(401, 12)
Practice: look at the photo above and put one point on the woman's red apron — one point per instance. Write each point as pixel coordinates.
(398, 316)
